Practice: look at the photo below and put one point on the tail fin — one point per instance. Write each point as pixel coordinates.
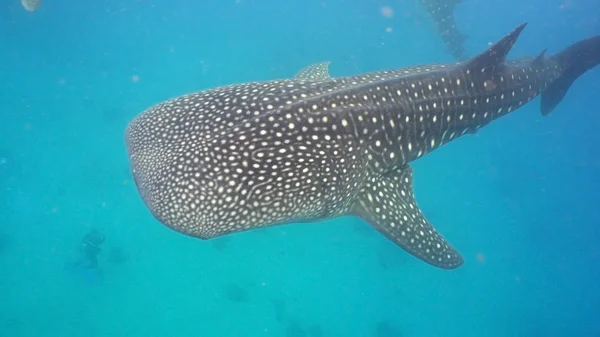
(574, 61)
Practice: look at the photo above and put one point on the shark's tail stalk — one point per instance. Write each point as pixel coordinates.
(574, 61)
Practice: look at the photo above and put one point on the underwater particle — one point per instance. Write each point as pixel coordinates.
(3, 166)
(387, 12)
(480, 257)
(388, 30)
(7, 165)
(31, 5)
(135, 78)
(565, 5)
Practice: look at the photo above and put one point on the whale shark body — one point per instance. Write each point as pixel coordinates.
(441, 12)
(314, 147)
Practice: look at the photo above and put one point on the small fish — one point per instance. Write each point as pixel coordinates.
(314, 147)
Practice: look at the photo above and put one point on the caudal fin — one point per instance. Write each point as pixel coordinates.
(574, 61)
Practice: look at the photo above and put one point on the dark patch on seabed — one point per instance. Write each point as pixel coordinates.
(295, 329)
(4, 242)
(117, 255)
(11, 323)
(235, 293)
(279, 306)
(386, 329)
(315, 330)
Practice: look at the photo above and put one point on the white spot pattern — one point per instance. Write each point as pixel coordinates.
(389, 204)
(264, 153)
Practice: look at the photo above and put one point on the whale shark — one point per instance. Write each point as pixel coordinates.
(441, 12)
(316, 147)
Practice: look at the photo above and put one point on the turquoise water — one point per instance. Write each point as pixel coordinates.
(519, 199)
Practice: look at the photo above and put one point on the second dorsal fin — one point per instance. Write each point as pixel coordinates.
(539, 59)
(496, 54)
(314, 72)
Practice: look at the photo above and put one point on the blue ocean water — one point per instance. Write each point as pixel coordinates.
(518, 199)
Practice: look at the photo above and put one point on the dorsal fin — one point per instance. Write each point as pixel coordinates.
(539, 59)
(496, 54)
(314, 72)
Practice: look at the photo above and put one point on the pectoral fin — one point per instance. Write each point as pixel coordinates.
(388, 204)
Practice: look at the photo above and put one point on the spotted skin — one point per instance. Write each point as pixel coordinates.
(389, 200)
(442, 14)
(259, 154)
(314, 72)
